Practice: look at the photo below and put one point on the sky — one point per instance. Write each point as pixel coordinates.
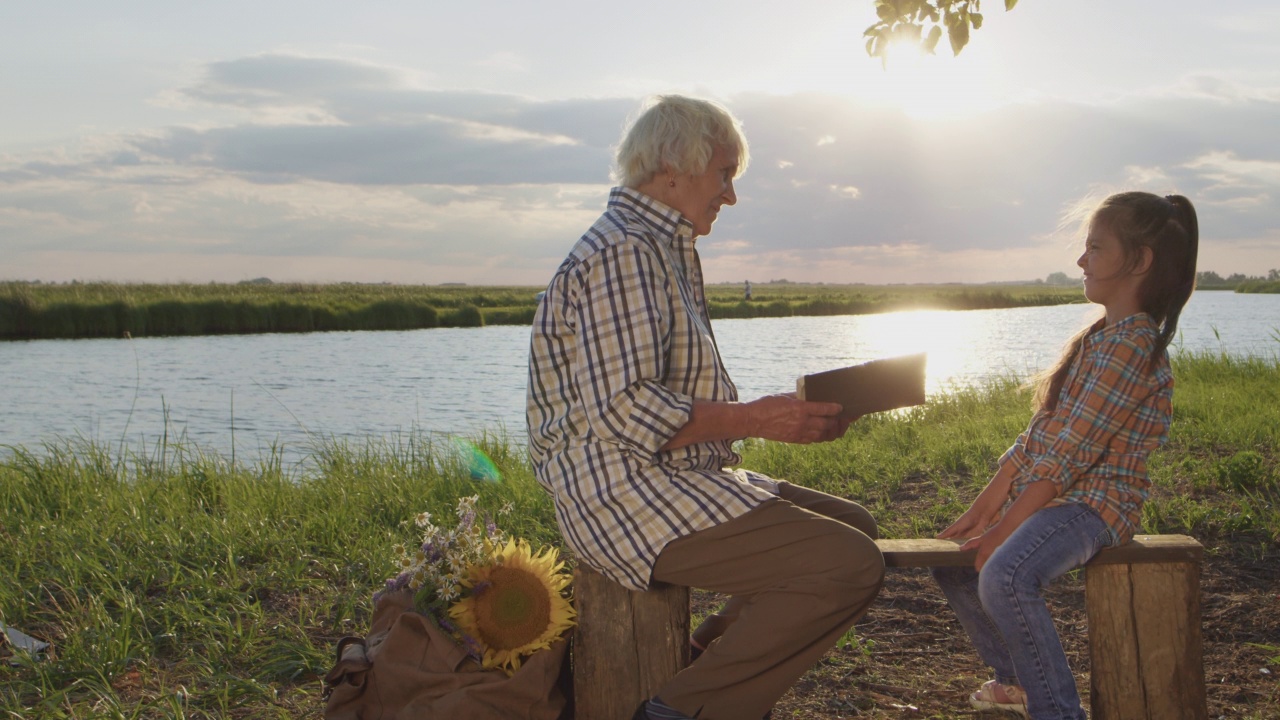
(431, 142)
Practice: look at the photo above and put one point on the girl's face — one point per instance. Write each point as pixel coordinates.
(1107, 279)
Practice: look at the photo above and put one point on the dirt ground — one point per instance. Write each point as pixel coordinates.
(912, 659)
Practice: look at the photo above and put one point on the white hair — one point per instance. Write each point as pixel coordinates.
(677, 133)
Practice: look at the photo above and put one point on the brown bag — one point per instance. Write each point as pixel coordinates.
(409, 669)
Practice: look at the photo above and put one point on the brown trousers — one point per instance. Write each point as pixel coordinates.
(801, 570)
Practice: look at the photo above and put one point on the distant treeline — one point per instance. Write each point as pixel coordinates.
(1270, 283)
(787, 299)
(1259, 286)
(86, 310)
(89, 310)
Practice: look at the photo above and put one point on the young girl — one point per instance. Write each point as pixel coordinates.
(1075, 480)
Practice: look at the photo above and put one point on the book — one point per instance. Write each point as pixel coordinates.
(871, 387)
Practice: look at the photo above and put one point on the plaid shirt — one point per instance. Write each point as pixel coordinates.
(1112, 412)
(621, 347)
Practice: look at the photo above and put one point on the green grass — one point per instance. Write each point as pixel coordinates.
(176, 584)
(1259, 286)
(84, 310)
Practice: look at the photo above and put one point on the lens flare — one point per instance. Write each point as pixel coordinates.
(477, 462)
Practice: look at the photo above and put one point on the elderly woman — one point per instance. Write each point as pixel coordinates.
(632, 417)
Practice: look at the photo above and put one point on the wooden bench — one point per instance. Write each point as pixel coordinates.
(1142, 600)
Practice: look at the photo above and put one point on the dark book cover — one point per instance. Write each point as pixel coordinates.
(870, 387)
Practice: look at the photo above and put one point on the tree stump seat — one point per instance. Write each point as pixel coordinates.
(1142, 601)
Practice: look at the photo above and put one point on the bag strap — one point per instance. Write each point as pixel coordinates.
(352, 660)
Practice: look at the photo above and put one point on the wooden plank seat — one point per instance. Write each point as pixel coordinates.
(1142, 600)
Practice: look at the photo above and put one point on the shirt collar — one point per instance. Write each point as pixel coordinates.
(1137, 321)
(666, 221)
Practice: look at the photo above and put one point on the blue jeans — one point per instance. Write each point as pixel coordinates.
(1005, 615)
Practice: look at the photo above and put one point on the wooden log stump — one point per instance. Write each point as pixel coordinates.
(1143, 603)
(1142, 600)
(626, 644)
(1145, 649)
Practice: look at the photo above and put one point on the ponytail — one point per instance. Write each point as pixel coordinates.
(1169, 284)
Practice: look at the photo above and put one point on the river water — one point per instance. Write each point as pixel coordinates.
(255, 392)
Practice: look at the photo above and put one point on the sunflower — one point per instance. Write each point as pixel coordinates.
(515, 604)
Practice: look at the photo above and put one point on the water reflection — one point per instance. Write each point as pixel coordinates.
(964, 348)
(253, 392)
(929, 331)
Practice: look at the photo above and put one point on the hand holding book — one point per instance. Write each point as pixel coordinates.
(870, 387)
(782, 418)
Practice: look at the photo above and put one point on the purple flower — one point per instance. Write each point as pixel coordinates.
(392, 585)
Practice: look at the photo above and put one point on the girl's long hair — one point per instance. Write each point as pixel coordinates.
(1169, 227)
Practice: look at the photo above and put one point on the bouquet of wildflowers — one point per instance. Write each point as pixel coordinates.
(496, 597)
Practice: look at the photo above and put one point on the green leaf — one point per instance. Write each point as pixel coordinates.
(958, 35)
(1008, 4)
(877, 46)
(931, 42)
(975, 19)
(885, 11)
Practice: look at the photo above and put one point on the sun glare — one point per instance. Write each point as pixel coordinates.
(933, 86)
(929, 331)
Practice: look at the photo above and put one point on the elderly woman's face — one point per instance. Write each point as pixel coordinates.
(699, 197)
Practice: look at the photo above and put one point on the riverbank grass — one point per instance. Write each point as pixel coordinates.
(112, 310)
(179, 584)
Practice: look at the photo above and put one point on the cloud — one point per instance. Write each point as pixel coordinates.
(341, 158)
(508, 61)
(725, 246)
(998, 180)
(437, 150)
(1233, 171)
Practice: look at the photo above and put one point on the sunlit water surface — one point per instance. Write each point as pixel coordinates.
(255, 392)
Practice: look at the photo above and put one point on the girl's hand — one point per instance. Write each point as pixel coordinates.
(987, 544)
(969, 525)
(1034, 497)
(984, 509)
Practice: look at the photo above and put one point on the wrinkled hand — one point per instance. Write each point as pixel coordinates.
(786, 419)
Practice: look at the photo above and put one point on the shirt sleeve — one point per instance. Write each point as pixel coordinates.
(1017, 453)
(624, 335)
(1110, 389)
